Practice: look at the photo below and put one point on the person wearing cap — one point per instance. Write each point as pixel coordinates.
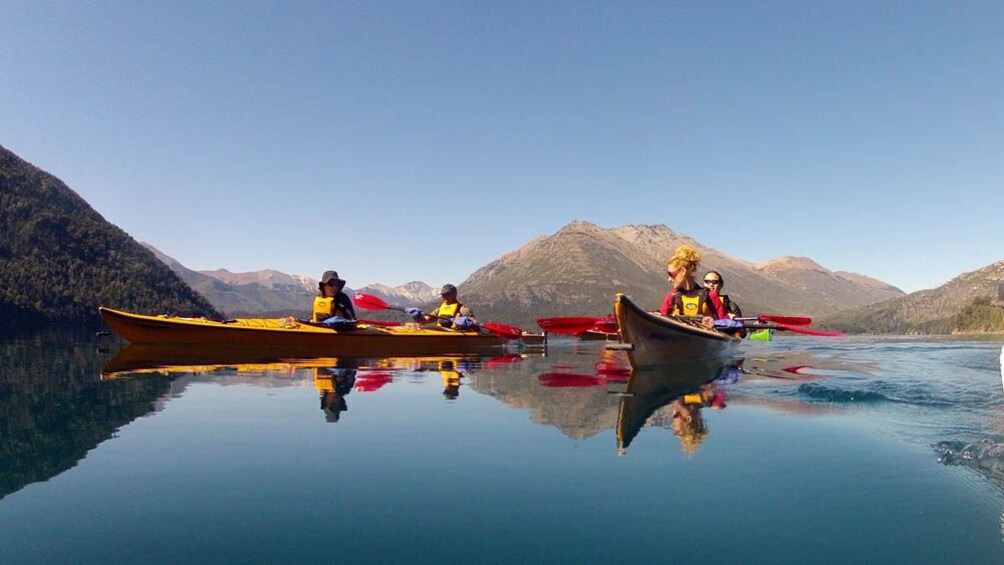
(332, 302)
(449, 314)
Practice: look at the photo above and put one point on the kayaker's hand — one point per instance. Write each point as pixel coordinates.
(415, 314)
(463, 323)
(708, 322)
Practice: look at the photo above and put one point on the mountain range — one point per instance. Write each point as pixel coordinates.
(59, 260)
(272, 293)
(577, 271)
(962, 305)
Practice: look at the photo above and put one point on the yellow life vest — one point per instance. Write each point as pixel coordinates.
(447, 312)
(692, 306)
(324, 308)
(697, 305)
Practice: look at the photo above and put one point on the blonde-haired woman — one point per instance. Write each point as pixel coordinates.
(686, 297)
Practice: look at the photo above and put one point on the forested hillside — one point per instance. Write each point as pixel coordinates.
(60, 259)
(962, 305)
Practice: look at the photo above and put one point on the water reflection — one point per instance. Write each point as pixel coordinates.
(334, 377)
(334, 384)
(672, 397)
(59, 402)
(54, 407)
(407, 449)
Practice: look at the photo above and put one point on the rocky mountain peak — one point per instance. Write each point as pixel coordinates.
(789, 262)
(577, 270)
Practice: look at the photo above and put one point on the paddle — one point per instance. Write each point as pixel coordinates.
(377, 323)
(796, 329)
(735, 325)
(578, 324)
(607, 325)
(789, 320)
(568, 324)
(370, 302)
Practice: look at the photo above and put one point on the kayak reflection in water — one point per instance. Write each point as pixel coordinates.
(334, 384)
(672, 399)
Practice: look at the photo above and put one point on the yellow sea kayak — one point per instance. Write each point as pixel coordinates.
(294, 337)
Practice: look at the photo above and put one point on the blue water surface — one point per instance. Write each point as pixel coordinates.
(826, 450)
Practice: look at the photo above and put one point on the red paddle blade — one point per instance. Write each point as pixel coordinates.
(789, 320)
(503, 330)
(372, 381)
(370, 302)
(379, 323)
(567, 325)
(807, 331)
(562, 380)
(612, 371)
(606, 325)
(502, 361)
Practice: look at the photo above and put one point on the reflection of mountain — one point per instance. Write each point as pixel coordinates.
(578, 412)
(584, 411)
(53, 408)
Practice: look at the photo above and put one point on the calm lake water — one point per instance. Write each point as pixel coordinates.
(878, 450)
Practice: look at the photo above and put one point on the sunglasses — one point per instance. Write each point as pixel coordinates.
(712, 281)
(672, 274)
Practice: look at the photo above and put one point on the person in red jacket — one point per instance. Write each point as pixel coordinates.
(714, 283)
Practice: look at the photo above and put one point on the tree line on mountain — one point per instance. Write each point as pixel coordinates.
(60, 260)
(979, 316)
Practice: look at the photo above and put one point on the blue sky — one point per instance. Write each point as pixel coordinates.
(407, 141)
